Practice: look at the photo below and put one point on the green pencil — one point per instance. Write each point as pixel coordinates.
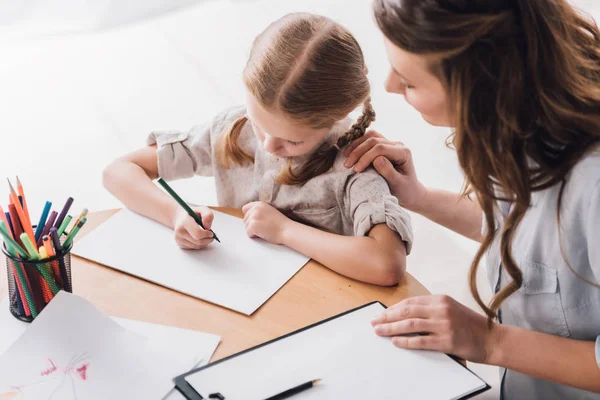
(183, 204)
(64, 225)
(73, 233)
(12, 242)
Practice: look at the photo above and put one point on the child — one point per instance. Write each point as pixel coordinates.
(278, 158)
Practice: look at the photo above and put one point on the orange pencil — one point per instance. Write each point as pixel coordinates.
(51, 253)
(25, 208)
(24, 221)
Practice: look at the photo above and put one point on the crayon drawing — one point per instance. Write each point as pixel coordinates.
(53, 381)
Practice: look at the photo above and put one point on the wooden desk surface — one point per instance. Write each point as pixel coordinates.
(313, 294)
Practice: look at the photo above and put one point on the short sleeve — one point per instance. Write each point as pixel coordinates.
(598, 351)
(183, 154)
(593, 232)
(593, 238)
(367, 199)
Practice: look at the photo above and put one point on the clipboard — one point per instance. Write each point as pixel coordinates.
(444, 370)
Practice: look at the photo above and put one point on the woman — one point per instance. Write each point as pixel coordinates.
(519, 82)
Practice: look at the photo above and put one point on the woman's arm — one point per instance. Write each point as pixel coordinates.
(455, 329)
(553, 358)
(379, 258)
(394, 162)
(455, 212)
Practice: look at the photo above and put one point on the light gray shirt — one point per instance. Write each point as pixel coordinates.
(552, 298)
(338, 201)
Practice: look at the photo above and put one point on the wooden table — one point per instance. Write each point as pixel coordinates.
(313, 294)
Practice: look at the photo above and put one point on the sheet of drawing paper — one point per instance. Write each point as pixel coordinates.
(239, 273)
(73, 352)
(195, 346)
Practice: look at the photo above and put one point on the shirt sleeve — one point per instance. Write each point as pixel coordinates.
(368, 201)
(598, 351)
(593, 239)
(183, 154)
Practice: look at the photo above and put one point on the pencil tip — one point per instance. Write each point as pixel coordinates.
(18, 181)
(12, 189)
(316, 381)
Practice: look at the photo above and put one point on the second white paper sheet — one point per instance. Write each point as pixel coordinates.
(239, 273)
(72, 351)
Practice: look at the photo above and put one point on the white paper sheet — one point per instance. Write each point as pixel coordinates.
(196, 348)
(72, 351)
(351, 360)
(239, 273)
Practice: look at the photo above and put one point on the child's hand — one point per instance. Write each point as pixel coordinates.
(188, 234)
(265, 222)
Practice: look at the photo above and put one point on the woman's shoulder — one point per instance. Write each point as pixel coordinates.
(586, 173)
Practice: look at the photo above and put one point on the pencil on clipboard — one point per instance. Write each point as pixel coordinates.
(295, 390)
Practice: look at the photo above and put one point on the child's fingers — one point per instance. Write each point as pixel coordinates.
(195, 231)
(249, 206)
(184, 244)
(207, 216)
(188, 245)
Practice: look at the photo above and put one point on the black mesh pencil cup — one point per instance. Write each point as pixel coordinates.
(32, 284)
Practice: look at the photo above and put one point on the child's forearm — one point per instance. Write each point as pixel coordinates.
(130, 184)
(379, 260)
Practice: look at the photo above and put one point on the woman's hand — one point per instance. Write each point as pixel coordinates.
(393, 161)
(447, 325)
(188, 234)
(265, 222)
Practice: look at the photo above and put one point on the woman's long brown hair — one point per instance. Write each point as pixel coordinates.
(312, 70)
(523, 78)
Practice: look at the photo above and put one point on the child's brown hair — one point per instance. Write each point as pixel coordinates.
(313, 70)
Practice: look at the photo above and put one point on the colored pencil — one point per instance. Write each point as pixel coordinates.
(73, 233)
(43, 269)
(81, 215)
(51, 253)
(63, 213)
(61, 263)
(15, 223)
(24, 220)
(64, 225)
(49, 224)
(43, 219)
(14, 249)
(24, 205)
(185, 206)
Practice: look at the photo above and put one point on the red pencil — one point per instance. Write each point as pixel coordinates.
(16, 224)
(24, 221)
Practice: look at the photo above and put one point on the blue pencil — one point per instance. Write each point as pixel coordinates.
(10, 226)
(40, 225)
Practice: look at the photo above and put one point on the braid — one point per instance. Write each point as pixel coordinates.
(324, 157)
(360, 127)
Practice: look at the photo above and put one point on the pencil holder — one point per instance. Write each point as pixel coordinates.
(32, 284)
